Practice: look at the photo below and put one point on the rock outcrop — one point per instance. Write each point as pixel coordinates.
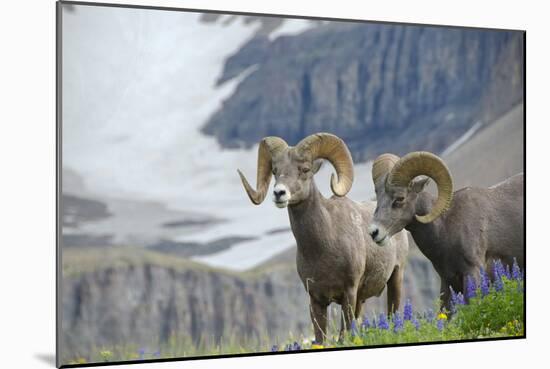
(114, 297)
(379, 87)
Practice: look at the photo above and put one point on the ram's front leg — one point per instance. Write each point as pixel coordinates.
(394, 290)
(318, 312)
(349, 303)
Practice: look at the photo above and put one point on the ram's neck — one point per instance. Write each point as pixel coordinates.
(310, 221)
(428, 237)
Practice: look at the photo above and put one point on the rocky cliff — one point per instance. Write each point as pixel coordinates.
(132, 297)
(397, 88)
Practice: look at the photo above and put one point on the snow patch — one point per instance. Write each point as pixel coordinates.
(291, 27)
(138, 86)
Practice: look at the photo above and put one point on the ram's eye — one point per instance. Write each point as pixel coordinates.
(398, 202)
(305, 169)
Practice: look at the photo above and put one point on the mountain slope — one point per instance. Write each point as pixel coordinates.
(379, 87)
(492, 155)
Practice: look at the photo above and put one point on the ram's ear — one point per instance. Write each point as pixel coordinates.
(418, 184)
(317, 164)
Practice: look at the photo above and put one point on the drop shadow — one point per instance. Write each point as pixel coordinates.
(46, 358)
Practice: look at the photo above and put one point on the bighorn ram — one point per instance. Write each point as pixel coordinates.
(336, 259)
(458, 232)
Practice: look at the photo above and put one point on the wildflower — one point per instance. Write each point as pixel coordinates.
(453, 300)
(274, 348)
(498, 273)
(416, 323)
(498, 269)
(507, 272)
(141, 353)
(408, 310)
(456, 299)
(516, 271)
(470, 287)
(296, 347)
(354, 329)
(440, 324)
(81, 360)
(383, 322)
(397, 322)
(484, 284)
(442, 316)
(460, 299)
(429, 315)
(365, 324)
(498, 284)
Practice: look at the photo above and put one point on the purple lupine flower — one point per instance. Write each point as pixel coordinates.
(354, 329)
(498, 269)
(440, 324)
(460, 299)
(470, 287)
(454, 298)
(516, 271)
(408, 310)
(484, 284)
(365, 324)
(397, 322)
(498, 284)
(498, 273)
(274, 348)
(507, 272)
(141, 353)
(429, 315)
(288, 347)
(383, 322)
(296, 346)
(416, 323)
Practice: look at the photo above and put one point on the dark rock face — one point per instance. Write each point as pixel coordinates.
(379, 87)
(77, 209)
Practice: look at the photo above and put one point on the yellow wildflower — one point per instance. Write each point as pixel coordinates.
(316, 346)
(442, 316)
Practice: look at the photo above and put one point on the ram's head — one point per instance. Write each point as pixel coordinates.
(294, 167)
(397, 184)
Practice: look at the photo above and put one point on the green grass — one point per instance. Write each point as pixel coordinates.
(497, 313)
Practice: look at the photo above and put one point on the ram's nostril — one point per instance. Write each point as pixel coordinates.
(374, 233)
(279, 193)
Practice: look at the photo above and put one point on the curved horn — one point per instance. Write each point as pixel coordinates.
(269, 147)
(425, 163)
(333, 149)
(382, 166)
